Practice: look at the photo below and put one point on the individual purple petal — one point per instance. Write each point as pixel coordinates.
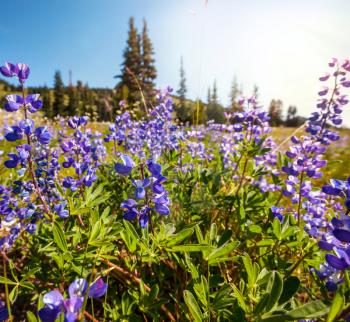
(48, 314)
(23, 72)
(323, 92)
(53, 299)
(14, 102)
(9, 70)
(325, 77)
(43, 135)
(154, 168)
(122, 169)
(130, 215)
(336, 262)
(72, 308)
(140, 193)
(13, 133)
(128, 204)
(144, 218)
(324, 245)
(162, 209)
(98, 288)
(78, 287)
(342, 235)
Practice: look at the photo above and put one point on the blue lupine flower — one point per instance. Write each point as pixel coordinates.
(140, 185)
(98, 288)
(43, 135)
(13, 133)
(126, 167)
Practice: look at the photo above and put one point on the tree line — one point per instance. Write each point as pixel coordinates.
(136, 87)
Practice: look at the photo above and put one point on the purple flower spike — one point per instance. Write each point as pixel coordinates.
(124, 169)
(154, 168)
(98, 288)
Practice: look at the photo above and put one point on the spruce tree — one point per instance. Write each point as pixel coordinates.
(131, 67)
(256, 95)
(148, 68)
(215, 111)
(234, 95)
(275, 112)
(183, 111)
(58, 104)
(73, 105)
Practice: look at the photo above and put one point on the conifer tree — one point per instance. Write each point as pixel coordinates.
(73, 105)
(58, 104)
(131, 67)
(215, 110)
(255, 94)
(275, 112)
(234, 95)
(148, 68)
(183, 110)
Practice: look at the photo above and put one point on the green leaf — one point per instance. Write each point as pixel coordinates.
(4, 280)
(154, 292)
(95, 232)
(274, 288)
(177, 238)
(190, 248)
(193, 306)
(213, 232)
(255, 229)
(337, 305)
(222, 251)
(129, 227)
(240, 298)
(252, 270)
(58, 236)
(309, 310)
(290, 287)
(31, 317)
(276, 227)
(225, 237)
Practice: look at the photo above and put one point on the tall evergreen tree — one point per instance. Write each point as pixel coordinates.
(256, 95)
(209, 96)
(293, 119)
(215, 111)
(148, 68)
(183, 111)
(47, 101)
(275, 112)
(131, 67)
(58, 104)
(73, 105)
(234, 94)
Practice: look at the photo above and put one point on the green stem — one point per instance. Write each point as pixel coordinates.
(8, 304)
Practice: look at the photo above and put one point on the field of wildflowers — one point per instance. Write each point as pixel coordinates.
(147, 220)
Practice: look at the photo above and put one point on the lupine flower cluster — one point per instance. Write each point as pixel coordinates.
(150, 193)
(83, 152)
(305, 162)
(70, 308)
(26, 200)
(157, 133)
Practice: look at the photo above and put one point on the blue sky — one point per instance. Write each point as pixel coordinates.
(282, 46)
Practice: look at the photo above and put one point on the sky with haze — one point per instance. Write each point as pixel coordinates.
(282, 46)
